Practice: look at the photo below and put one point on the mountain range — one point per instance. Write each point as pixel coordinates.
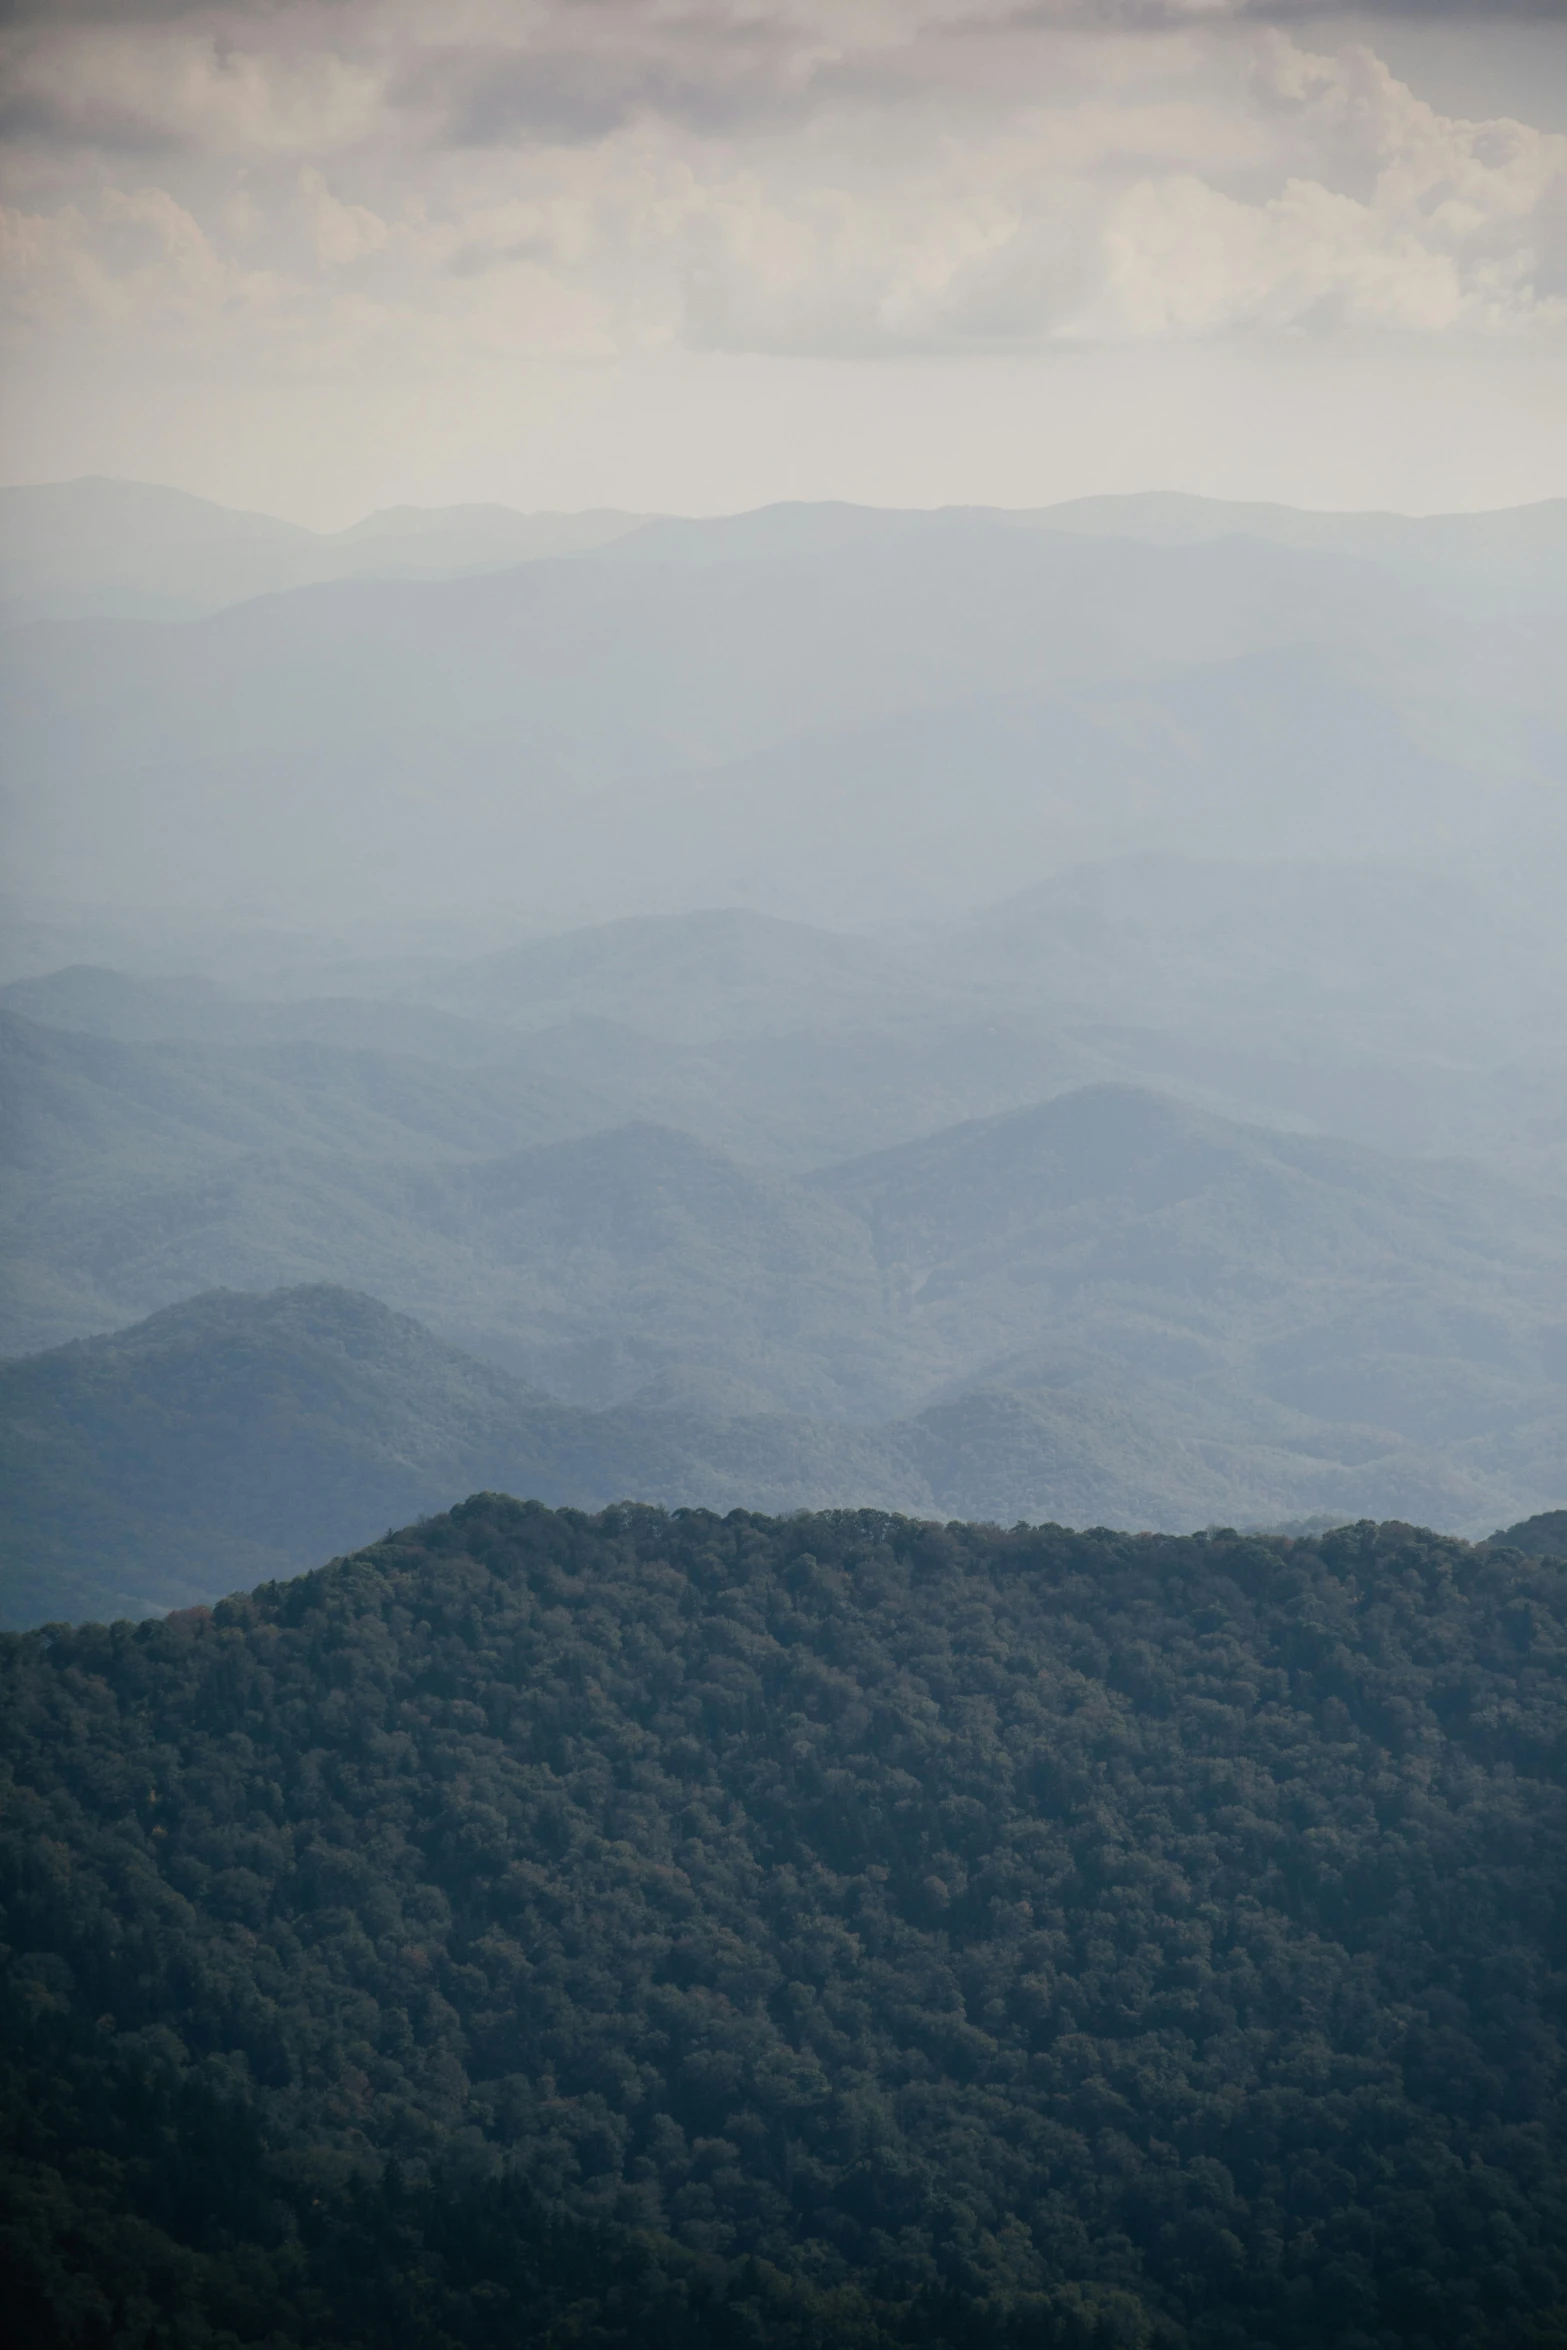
(234, 1437)
(108, 549)
(1109, 1308)
(834, 714)
(1051, 1016)
(1415, 1011)
(114, 550)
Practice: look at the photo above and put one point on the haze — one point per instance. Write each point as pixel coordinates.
(839, 733)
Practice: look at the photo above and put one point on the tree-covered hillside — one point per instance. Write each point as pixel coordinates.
(1543, 1536)
(1161, 1939)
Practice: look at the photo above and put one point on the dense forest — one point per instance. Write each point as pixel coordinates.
(672, 1929)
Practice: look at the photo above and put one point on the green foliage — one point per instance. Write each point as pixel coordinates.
(822, 1929)
(1544, 1536)
(138, 2209)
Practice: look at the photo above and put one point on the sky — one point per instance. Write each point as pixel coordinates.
(693, 255)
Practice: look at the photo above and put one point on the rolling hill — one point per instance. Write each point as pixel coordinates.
(241, 1436)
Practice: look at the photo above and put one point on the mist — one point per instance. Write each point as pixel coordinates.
(1082, 986)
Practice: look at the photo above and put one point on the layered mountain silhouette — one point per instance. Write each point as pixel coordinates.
(1109, 1308)
(829, 1004)
(1415, 1011)
(234, 1437)
(832, 713)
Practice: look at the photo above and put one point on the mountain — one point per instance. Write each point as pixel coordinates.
(100, 549)
(1246, 1273)
(153, 1164)
(240, 1434)
(96, 1001)
(1412, 1010)
(954, 702)
(244, 1435)
(1107, 1233)
(233, 1428)
(1512, 538)
(1412, 972)
(1322, 1000)
(1106, 1309)
(690, 979)
(137, 1104)
(103, 548)
(1069, 1214)
(832, 1933)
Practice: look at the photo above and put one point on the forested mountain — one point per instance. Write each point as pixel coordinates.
(917, 1018)
(1118, 1940)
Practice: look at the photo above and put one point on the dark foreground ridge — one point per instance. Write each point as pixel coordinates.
(670, 1930)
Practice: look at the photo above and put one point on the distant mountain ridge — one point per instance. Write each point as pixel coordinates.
(1104, 1310)
(827, 713)
(868, 995)
(103, 549)
(234, 1437)
(98, 546)
(596, 1256)
(1338, 998)
(239, 1436)
(861, 734)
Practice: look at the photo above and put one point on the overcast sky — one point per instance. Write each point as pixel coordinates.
(699, 254)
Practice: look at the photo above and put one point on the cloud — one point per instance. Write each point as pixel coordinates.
(119, 88)
(342, 232)
(708, 14)
(318, 179)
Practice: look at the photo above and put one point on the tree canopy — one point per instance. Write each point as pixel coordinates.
(836, 1928)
